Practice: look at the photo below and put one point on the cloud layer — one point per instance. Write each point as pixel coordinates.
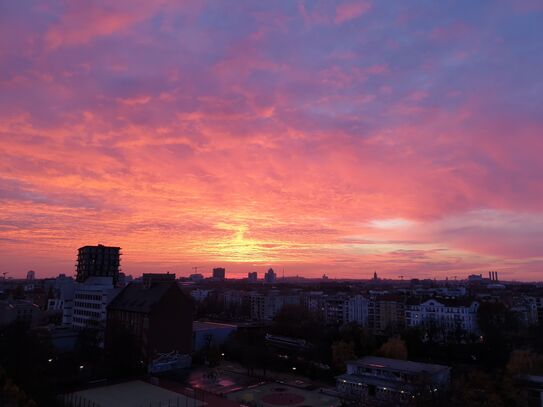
(319, 137)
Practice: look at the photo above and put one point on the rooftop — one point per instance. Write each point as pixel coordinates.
(203, 326)
(399, 365)
(139, 298)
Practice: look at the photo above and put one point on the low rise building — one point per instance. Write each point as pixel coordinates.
(20, 311)
(373, 380)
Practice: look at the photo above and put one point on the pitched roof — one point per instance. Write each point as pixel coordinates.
(448, 302)
(139, 298)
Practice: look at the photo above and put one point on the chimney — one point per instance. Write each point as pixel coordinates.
(496, 276)
(490, 275)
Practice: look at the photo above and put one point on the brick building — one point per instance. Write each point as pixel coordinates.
(158, 319)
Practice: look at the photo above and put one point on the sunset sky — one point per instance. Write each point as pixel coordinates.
(316, 136)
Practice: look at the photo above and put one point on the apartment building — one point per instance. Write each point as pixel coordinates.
(90, 300)
(386, 313)
(446, 315)
(265, 306)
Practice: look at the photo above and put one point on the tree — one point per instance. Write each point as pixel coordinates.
(475, 388)
(297, 322)
(341, 353)
(498, 326)
(394, 348)
(362, 338)
(523, 362)
(213, 355)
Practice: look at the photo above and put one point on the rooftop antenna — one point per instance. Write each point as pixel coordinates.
(283, 273)
(196, 269)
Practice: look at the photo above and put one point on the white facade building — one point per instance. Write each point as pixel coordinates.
(448, 315)
(90, 301)
(357, 310)
(264, 307)
(199, 294)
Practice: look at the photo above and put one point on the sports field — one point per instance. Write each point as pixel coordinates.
(273, 395)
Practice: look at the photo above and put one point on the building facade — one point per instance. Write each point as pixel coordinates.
(446, 316)
(375, 381)
(157, 318)
(219, 273)
(89, 309)
(270, 277)
(386, 313)
(98, 261)
(265, 306)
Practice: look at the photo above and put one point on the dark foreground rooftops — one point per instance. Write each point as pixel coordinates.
(399, 365)
(139, 298)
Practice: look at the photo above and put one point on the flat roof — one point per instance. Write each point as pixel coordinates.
(203, 325)
(382, 382)
(130, 394)
(401, 365)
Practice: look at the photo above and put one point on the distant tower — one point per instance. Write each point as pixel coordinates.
(375, 275)
(270, 276)
(98, 261)
(31, 275)
(219, 273)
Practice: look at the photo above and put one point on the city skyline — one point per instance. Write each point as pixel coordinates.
(319, 137)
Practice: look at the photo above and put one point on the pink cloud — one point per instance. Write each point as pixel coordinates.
(253, 142)
(350, 11)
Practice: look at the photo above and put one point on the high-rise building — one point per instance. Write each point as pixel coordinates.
(252, 277)
(98, 261)
(31, 275)
(219, 273)
(270, 276)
